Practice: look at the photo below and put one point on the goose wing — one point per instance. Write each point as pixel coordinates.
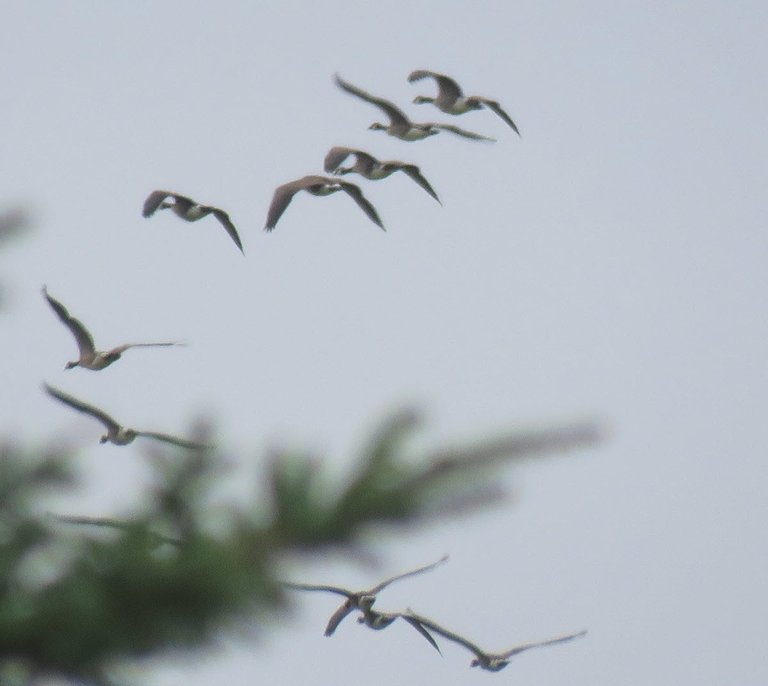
(225, 221)
(462, 132)
(413, 572)
(335, 157)
(317, 587)
(495, 107)
(174, 440)
(449, 89)
(80, 406)
(394, 113)
(445, 633)
(356, 194)
(336, 618)
(120, 349)
(283, 195)
(82, 336)
(416, 624)
(526, 646)
(415, 173)
(153, 201)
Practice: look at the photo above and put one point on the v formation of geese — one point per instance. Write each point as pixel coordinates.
(450, 100)
(363, 601)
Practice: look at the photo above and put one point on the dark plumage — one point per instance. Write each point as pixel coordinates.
(492, 662)
(317, 185)
(451, 100)
(90, 358)
(189, 210)
(399, 125)
(368, 166)
(357, 600)
(119, 435)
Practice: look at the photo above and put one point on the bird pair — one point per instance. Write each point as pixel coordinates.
(96, 360)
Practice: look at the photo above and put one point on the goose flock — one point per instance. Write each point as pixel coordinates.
(450, 100)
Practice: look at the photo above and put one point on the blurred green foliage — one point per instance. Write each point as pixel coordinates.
(161, 580)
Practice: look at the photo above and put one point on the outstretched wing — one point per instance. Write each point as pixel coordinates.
(174, 440)
(356, 194)
(82, 336)
(526, 646)
(415, 173)
(120, 349)
(394, 113)
(416, 624)
(336, 618)
(280, 200)
(413, 572)
(449, 89)
(495, 107)
(316, 587)
(429, 624)
(225, 221)
(462, 132)
(80, 406)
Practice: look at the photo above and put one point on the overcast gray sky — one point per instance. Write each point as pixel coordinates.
(610, 264)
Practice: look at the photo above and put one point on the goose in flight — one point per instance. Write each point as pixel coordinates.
(90, 358)
(451, 100)
(119, 435)
(493, 662)
(359, 600)
(368, 166)
(399, 125)
(189, 210)
(317, 185)
(381, 620)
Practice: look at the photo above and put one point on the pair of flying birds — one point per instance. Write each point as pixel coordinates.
(363, 601)
(449, 99)
(96, 360)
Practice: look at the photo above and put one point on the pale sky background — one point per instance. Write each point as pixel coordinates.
(609, 264)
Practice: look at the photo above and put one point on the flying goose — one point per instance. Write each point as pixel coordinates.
(399, 125)
(368, 166)
(381, 620)
(493, 662)
(189, 210)
(90, 358)
(451, 100)
(119, 435)
(358, 600)
(317, 185)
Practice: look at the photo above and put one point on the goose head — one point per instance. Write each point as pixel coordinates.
(104, 438)
(422, 99)
(376, 126)
(69, 365)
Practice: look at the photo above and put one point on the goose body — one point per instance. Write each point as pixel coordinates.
(317, 185)
(381, 620)
(117, 434)
(493, 662)
(368, 166)
(189, 210)
(90, 358)
(358, 600)
(451, 100)
(399, 125)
